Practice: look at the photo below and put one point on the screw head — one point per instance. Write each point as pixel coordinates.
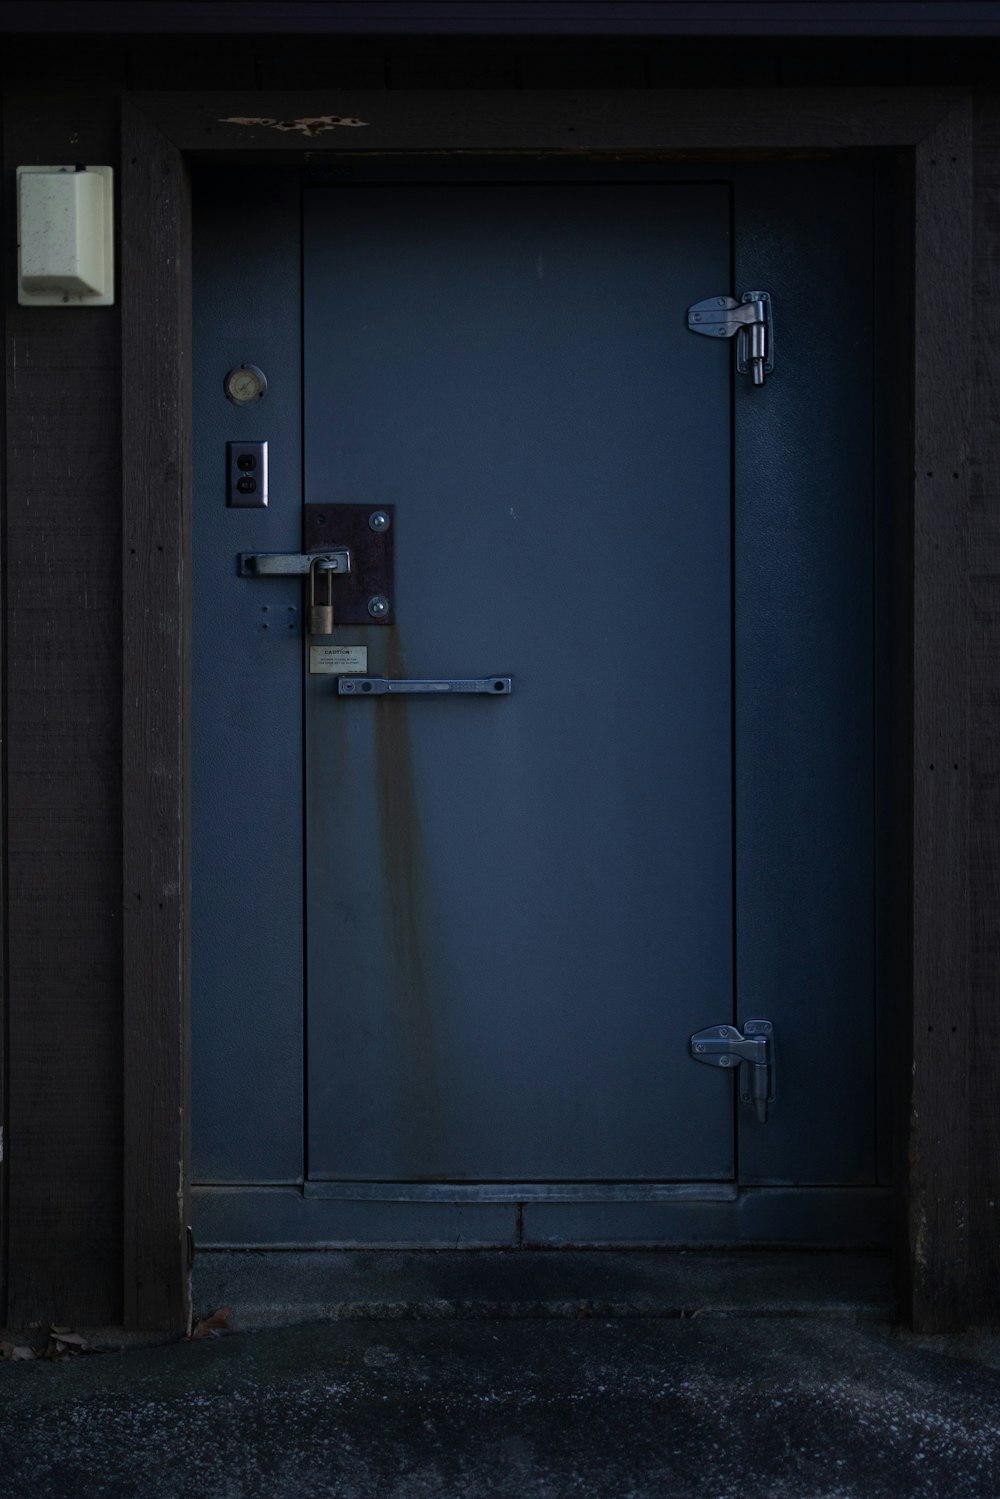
(745, 1097)
(725, 1061)
(378, 606)
(378, 520)
(699, 1046)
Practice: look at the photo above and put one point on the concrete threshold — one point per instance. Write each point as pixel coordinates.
(281, 1288)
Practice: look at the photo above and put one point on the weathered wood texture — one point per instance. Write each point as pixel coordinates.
(156, 549)
(63, 737)
(623, 121)
(939, 1115)
(983, 1084)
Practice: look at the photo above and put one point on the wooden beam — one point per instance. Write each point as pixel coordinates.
(646, 122)
(156, 331)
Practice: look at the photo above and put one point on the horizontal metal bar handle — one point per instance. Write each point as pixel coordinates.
(384, 686)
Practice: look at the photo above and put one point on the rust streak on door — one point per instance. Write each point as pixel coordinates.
(414, 947)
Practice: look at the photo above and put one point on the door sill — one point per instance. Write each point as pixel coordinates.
(287, 1217)
(271, 1289)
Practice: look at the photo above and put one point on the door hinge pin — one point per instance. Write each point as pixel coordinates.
(752, 1050)
(749, 319)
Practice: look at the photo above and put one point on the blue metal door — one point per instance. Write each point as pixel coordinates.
(519, 909)
(449, 950)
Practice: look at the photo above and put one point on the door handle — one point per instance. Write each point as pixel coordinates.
(399, 686)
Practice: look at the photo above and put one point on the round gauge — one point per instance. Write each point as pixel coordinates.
(245, 384)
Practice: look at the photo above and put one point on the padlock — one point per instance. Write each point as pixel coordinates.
(320, 615)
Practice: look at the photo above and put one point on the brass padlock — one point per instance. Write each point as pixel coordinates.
(320, 615)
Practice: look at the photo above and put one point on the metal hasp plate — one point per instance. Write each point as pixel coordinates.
(367, 596)
(749, 319)
(753, 1052)
(292, 564)
(399, 686)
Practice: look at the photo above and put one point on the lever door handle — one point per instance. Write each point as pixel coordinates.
(382, 686)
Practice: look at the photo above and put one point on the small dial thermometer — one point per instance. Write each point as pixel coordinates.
(245, 384)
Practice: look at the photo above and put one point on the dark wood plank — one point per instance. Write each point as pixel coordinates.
(51, 64)
(183, 63)
(880, 63)
(895, 887)
(714, 62)
(433, 66)
(688, 122)
(942, 1044)
(321, 62)
(967, 62)
(5, 228)
(156, 322)
(984, 716)
(566, 66)
(63, 702)
(462, 18)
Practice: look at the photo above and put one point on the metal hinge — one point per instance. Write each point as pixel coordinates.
(752, 1051)
(749, 318)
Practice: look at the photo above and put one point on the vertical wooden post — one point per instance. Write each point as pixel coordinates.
(156, 322)
(939, 1203)
(984, 719)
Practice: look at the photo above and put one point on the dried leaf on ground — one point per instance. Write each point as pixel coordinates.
(16, 1351)
(209, 1327)
(65, 1343)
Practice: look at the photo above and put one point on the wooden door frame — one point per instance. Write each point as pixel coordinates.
(929, 134)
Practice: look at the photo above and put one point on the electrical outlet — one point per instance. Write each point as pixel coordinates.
(246, 475)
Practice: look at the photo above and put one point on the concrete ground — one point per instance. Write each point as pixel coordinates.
(631, 1409)
(711, 1404)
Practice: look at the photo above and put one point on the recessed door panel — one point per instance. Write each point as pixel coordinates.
(520, 909)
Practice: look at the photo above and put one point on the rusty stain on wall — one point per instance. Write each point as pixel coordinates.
(309, 124)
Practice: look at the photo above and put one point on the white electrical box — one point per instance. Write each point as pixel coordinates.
(65, 236)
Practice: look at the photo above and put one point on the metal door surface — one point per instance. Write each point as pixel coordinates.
(519, 909)
(450, 950)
